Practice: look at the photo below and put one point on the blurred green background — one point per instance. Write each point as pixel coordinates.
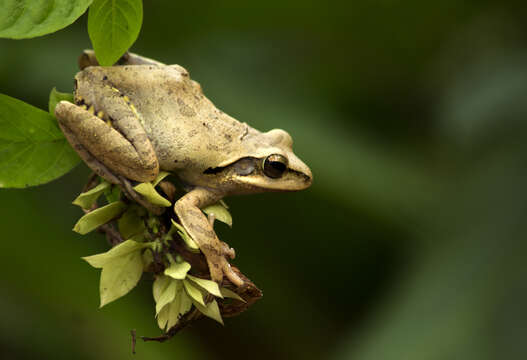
(409, 245)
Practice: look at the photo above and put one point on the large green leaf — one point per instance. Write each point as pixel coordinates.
(113, 26)
(21, 19)
(33, 150)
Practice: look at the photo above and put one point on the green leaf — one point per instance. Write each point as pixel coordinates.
(227, 293)
(88, 198)
(113, 194)
(168, 295)
(113, 26)
(21, 19)
(160, 284)
(170, 314)
(56, 96)
(220, 213)
(98, 217)
(208, 285)
(160, 177)
(179, 307)
(131, 223)
(119, 276)
(33, 150)
(162, 318)
(193, 292)
(191, 244)
(178, 270)
(210, 310)
(150, 193)
(121, 250)
(148, 259)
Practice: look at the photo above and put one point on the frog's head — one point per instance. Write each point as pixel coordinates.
(267, 164)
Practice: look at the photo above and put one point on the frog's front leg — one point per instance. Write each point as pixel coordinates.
(188, 210)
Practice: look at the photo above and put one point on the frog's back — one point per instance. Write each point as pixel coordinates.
(185, 128)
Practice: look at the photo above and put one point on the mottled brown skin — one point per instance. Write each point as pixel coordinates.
(133, 120)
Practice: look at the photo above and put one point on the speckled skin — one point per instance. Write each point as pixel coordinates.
(133, 120)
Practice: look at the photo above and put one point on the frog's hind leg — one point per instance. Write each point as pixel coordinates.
(126, 152)
(103, 171)
(98, 167)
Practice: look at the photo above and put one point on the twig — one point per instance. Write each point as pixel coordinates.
(132, 332)
(185, 320)
(112, 235)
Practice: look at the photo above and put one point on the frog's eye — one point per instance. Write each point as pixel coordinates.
(275, 165)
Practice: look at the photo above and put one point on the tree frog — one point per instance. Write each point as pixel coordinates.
(134, 119)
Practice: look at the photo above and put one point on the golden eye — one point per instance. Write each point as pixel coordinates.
(275, 165)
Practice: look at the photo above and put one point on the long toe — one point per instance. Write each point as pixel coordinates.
(231, 275)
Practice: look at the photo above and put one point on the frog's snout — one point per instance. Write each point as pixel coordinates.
(303, 174)
(306, 177)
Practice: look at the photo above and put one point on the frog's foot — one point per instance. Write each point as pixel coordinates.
(226, 249)
(219, 266)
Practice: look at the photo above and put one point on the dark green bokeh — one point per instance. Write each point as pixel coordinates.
(410, 243)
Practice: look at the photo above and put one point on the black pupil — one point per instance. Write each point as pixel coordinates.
(274, 169)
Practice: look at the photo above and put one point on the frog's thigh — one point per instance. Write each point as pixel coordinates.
(98, 167)
(125, 119)
(105, 144)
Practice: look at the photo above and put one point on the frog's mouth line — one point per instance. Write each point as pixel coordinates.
(212, 171)
(299, 174)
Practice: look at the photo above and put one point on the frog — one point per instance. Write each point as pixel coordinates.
(132, 120)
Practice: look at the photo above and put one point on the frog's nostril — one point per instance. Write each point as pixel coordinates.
(308, 180)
